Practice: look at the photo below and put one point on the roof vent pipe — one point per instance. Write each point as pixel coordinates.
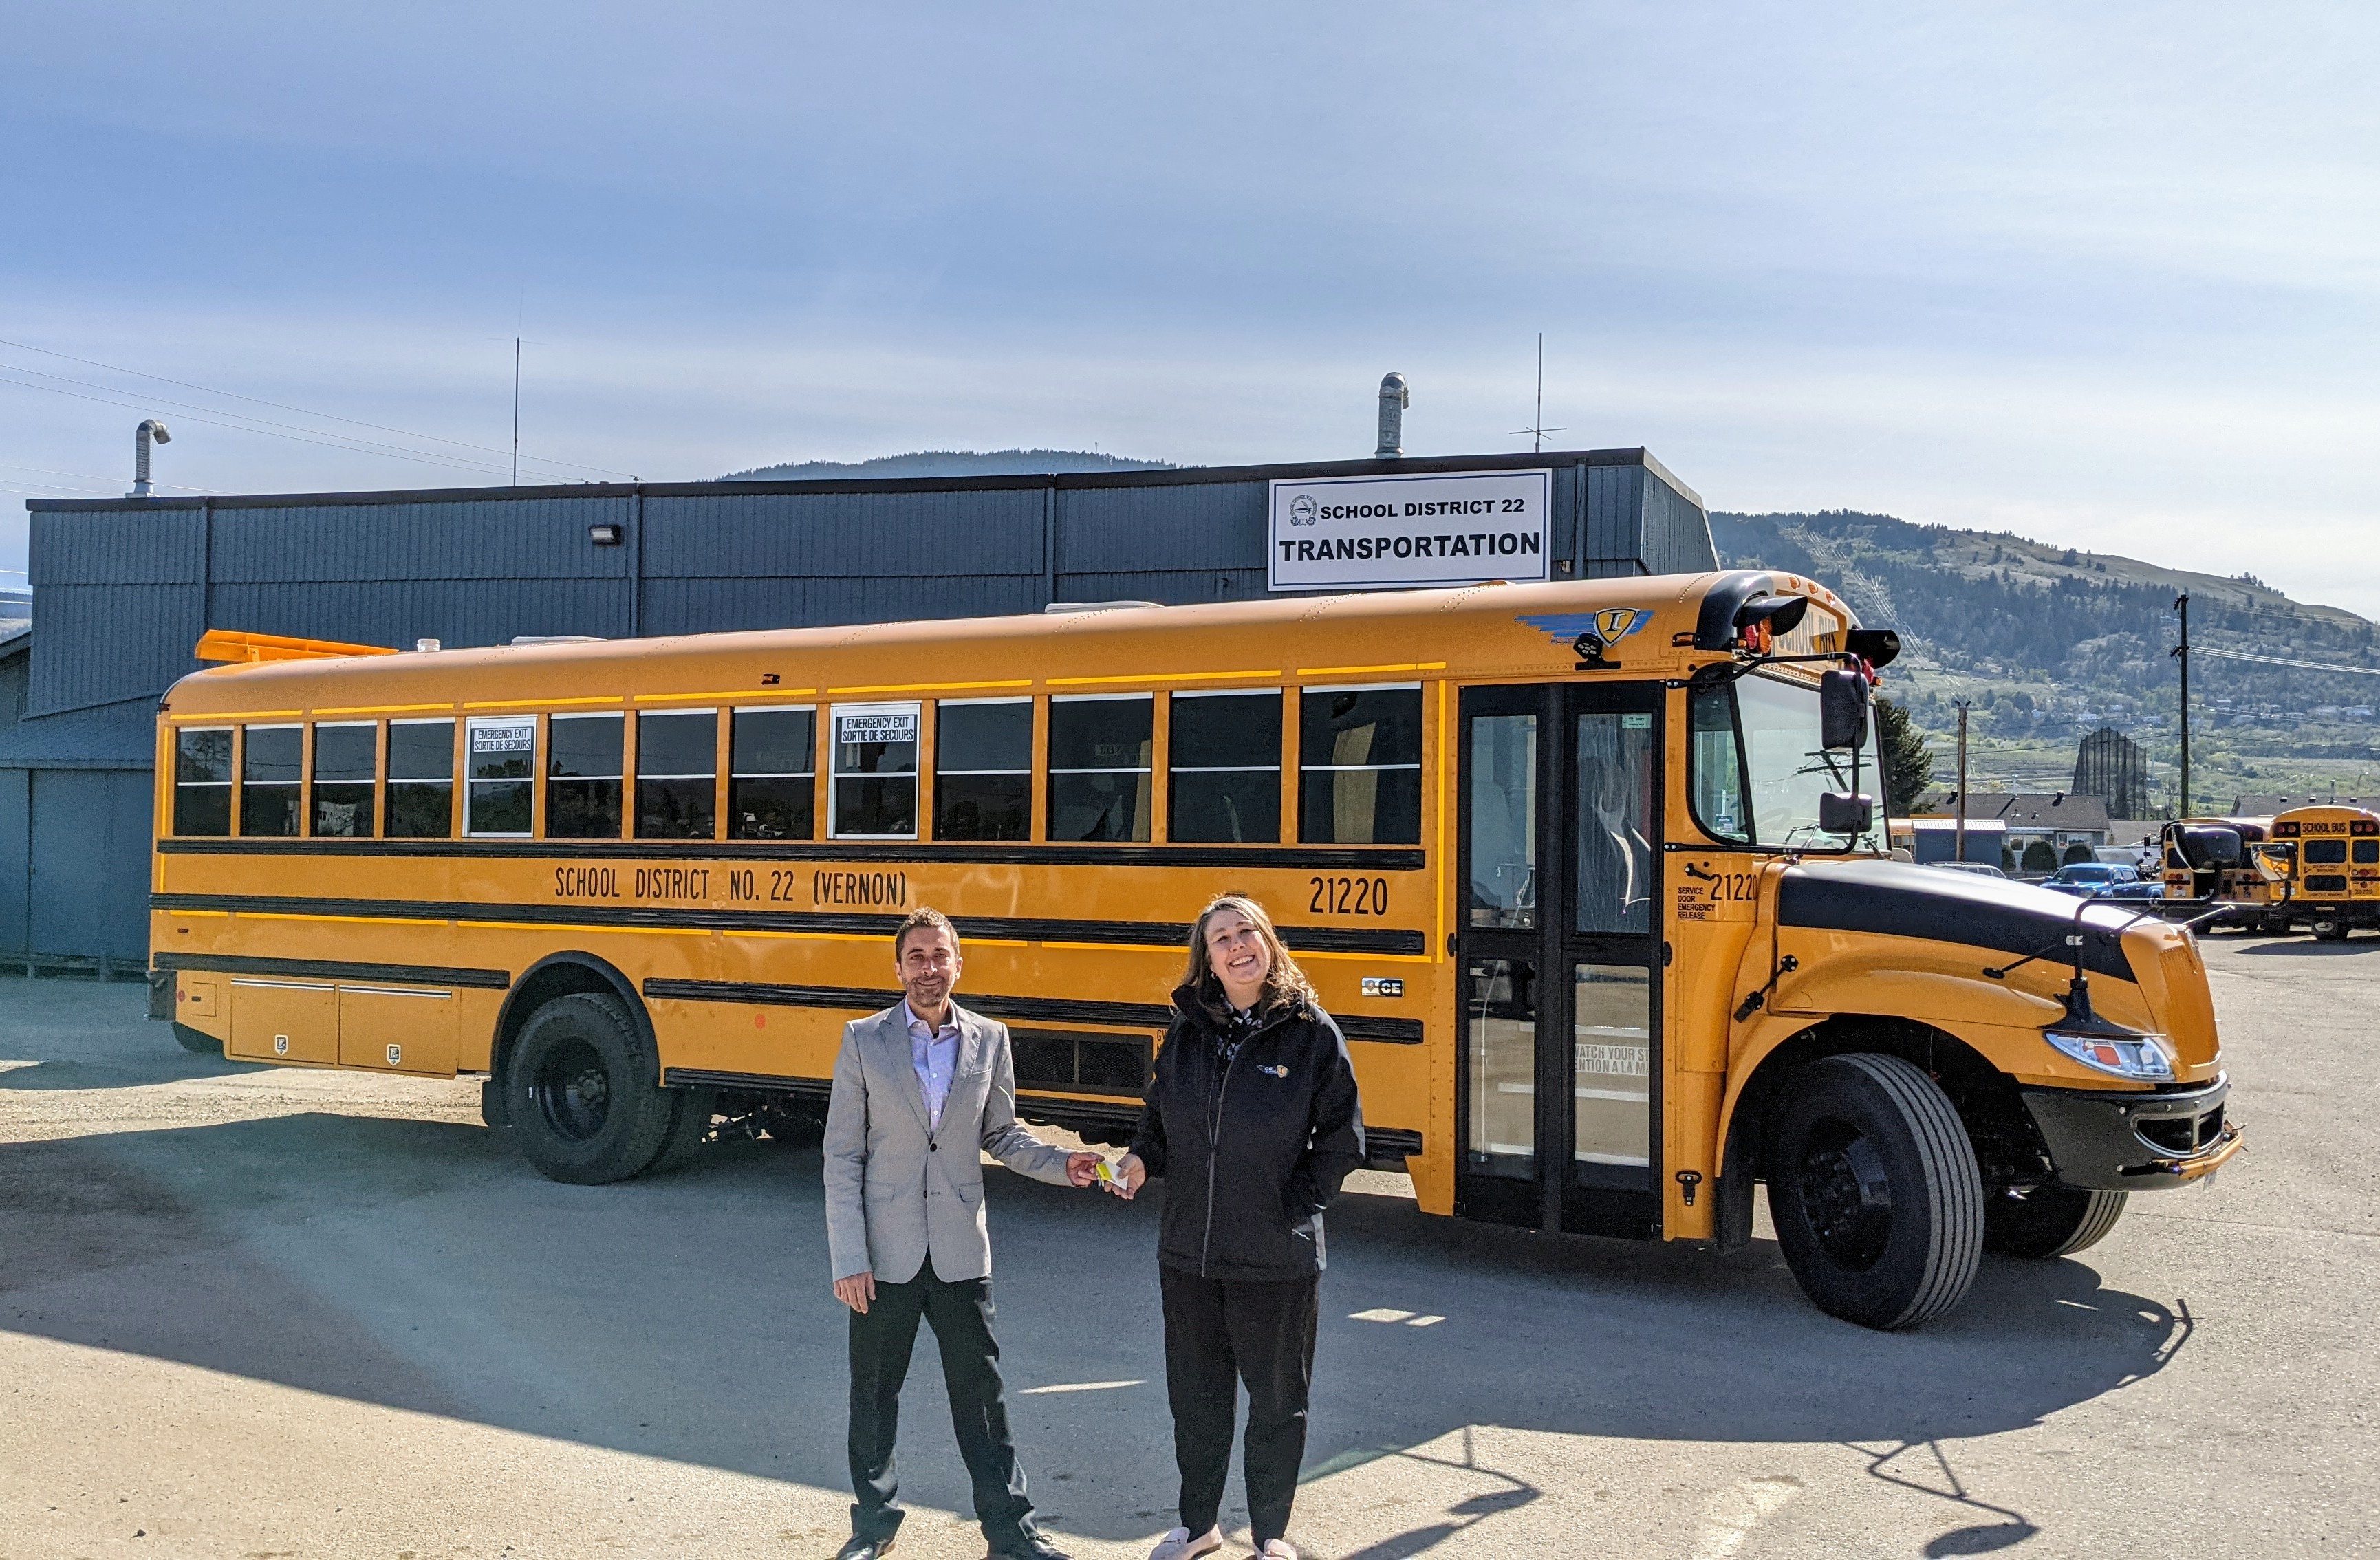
(1394, 402)
(150, 428)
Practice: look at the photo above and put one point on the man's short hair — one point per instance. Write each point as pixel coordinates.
(918, 919)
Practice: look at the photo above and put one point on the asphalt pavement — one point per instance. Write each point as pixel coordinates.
(259, 1313)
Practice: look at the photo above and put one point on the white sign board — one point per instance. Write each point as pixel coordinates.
(876, 726)
(1396, 532)
(512, 734)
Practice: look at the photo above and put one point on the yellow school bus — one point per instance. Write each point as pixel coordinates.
(2224, 863)
(2332, 855)
(1585, 870)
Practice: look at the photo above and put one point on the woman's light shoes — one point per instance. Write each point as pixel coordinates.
(1179, 1545)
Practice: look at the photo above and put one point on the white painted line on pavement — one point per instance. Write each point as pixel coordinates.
(1078, 1387)
(1734, 1515)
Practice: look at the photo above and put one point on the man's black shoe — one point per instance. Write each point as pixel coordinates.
(864, 1549)
(1033, 1548)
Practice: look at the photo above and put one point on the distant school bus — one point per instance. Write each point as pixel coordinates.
(1583, 870)
(2332, 855)
(2224, 862)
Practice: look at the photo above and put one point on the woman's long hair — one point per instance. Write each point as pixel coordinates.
(1284, 982)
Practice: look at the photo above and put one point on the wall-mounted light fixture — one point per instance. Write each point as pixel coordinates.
(603, 535)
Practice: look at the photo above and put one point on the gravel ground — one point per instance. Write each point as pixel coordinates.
(259, 1313)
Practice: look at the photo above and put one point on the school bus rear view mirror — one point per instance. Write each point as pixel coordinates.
(2214, 847)
(1841, 812)
(1842, 711)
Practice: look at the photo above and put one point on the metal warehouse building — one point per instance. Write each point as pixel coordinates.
(123, 589)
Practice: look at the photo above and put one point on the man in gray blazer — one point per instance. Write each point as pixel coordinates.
(905, 1228)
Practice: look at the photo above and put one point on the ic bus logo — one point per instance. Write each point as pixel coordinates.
(1301, 510)
(1590, 635)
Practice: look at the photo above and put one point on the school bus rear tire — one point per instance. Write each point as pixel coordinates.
(582, 1094)
(2051, 1221)
(198, 1040)
(691, 1110)
(1874, 1190)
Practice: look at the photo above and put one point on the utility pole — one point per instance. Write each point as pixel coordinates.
(1959, 851)
(2182, 654)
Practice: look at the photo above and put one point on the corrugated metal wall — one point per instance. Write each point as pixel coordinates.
(124, 589)
(756, 559)
(74, 842)
(1675, 536)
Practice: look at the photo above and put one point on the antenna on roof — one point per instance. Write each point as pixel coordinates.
(1537, 431)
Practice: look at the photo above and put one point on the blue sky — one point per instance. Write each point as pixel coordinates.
(2106, 279)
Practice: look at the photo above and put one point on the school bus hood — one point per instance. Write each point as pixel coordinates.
(1959, 926)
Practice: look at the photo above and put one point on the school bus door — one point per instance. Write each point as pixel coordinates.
(1558, 799)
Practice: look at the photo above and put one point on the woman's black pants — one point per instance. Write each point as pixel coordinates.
(1218, 1333)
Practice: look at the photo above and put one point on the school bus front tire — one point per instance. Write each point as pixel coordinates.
(583, 1096)
(2051, 1221)
(1874, 1190)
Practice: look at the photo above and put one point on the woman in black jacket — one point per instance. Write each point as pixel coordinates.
(1252, 1119)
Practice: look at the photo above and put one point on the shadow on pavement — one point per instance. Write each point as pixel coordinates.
(2307, 948)
(171, 1066)
(423, 1265)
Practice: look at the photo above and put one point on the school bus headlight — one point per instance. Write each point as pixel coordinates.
(2141, 1057)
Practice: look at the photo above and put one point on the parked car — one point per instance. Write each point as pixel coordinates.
(1981, 869)
(2103, 880)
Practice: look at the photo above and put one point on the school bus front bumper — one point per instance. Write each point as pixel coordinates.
(2107, 1141)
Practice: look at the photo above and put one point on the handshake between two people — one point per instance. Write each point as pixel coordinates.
(1083, 1169)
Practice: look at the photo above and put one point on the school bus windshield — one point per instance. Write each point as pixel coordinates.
(1758, 737)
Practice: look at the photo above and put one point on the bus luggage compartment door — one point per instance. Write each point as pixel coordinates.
(401, 1029)
(283, 1021)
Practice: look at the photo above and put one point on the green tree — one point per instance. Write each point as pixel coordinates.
(1907, 757)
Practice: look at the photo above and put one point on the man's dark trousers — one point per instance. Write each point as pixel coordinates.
(1220, 1333)
(960, 1314)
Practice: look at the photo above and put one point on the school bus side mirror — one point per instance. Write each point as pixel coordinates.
(2214, 847)
(1842, 711)
(1841, 812)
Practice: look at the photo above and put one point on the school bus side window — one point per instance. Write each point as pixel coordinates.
(983, 770)
(502, 752)
(1718, 766)
(582, 786)
(346, 756)
(1223, 774)
(678, 775)
(1359, 766)
(272, 769)
(202, 781)
(875, 778)
(1102, 747)
(772, 770)
(421, 803)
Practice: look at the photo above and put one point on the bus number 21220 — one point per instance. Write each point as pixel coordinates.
(1349, 896)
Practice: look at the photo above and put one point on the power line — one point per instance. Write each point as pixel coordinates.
(2285, 660)
(303, 411)
(351, 447)
(261, 425)
(85, 477)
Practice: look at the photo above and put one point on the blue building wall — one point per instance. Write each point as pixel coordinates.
(124, 589)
